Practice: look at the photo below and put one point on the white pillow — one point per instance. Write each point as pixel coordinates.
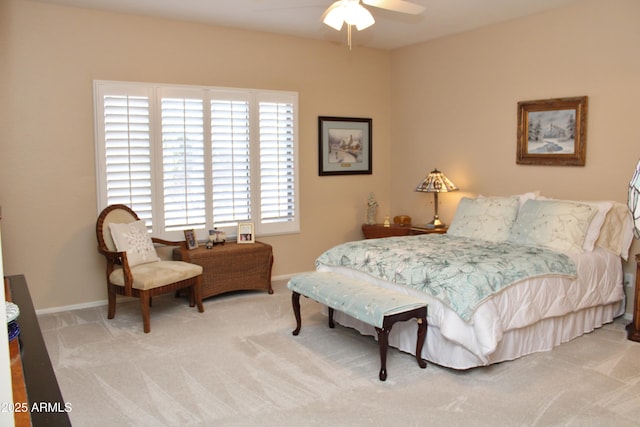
(133, 238)
(616, 234)
(527, 196)
(593, 232)
(488, 218)
(555, 224)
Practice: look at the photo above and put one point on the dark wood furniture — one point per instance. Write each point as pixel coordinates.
(633, 328)
(232, 266)
(375, 231)
(383, 333)
(377, 306)
(126, 283)
(33, 378)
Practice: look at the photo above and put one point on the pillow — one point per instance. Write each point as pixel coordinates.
(527, 196)
(133, 238)
(616, 233)
(555, 224)
(488, 218)
(593, 232)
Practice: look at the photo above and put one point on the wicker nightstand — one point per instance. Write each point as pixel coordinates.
(233, 267)
(375, 231)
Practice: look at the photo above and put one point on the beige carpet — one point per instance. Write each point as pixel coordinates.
(237, 364)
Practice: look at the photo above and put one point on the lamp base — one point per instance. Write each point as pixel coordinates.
(436, 223)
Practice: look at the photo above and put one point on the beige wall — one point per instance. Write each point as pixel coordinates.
(449, 103)
(51, 55)
(455, 101)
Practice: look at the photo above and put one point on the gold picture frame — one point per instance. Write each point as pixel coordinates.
(246, 232)
(552, 132)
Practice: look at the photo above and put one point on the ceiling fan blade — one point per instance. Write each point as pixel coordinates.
(401, 6)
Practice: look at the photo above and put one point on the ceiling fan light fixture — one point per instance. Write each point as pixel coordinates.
(334, 16)
(349, 11)
(360, 17)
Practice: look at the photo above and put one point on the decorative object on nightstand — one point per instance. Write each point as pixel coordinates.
(216, 237)
(402, 220)
(633, 201)
(436, 182)
(372, 209)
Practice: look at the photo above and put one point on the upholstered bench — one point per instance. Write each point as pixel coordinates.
(371, 304)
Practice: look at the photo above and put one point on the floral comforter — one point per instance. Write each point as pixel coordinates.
(458, 271)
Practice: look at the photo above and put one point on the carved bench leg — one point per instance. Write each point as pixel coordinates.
(422, 335)
(383, 341)
(331, 323)
(295, 301)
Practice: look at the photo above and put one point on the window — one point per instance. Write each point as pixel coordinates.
(185, 157)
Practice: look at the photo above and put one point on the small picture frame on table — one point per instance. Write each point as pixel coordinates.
(190, 237)
(246, 232)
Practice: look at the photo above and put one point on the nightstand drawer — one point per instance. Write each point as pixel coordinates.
(375, 231)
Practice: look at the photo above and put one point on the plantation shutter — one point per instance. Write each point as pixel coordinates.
(126, 152)
(183, 163)
(231, 160)
(190, 157)
(277, 162)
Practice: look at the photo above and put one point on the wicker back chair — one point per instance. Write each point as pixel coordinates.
(143, 280)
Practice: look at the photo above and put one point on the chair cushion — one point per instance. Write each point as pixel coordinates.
(156, 274)
(133, 238)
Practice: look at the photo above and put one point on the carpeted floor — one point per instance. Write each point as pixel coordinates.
(237, 364)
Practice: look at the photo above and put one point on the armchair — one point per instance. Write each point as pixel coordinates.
(133, 267)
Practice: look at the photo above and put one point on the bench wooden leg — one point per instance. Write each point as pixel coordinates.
(295, 301)
(331, 323)
(422, 335)
(383, 336)
(383, 341)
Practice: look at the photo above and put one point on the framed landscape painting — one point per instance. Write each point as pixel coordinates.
(344, 146)
(552, 132)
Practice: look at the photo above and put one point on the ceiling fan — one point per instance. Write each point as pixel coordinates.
(355, 14)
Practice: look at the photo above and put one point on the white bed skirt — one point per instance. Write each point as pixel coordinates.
(541, 336)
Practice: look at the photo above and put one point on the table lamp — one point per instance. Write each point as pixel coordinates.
(436, 182)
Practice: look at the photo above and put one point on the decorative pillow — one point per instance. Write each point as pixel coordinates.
(555, 224)
(528, 196)
(593, 232)
(488, 218)
(133, 238)
(616, 234)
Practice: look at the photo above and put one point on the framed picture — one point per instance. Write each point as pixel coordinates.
(245, 232)
(344, 146)
(190, 237)
(552, 132)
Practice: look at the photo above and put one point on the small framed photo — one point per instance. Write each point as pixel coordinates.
(344, 146)
(246, 233)
(190, 237)
(552, 132)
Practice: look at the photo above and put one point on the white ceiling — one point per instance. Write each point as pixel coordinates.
(303, 17)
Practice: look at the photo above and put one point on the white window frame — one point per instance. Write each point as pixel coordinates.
(154, 92)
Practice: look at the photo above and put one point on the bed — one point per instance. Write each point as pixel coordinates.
(513, 276)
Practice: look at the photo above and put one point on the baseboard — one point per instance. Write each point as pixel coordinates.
(104, 302)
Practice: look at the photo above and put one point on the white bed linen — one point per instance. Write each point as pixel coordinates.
(529, 316)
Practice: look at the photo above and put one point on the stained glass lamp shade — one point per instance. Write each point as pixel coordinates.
(633, 201)
(436, 182)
